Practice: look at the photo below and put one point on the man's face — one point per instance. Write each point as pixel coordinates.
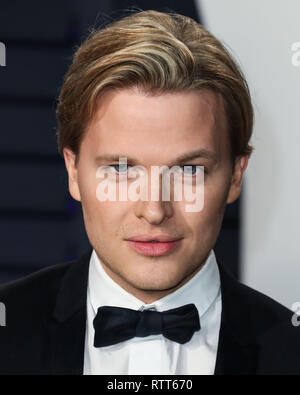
(155, 131)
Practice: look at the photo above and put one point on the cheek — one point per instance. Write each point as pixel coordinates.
(215, 201)
(105, 219)
(212, 213)
(89, 186)
(100, 214)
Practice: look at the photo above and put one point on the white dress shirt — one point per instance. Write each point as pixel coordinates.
(155, 354)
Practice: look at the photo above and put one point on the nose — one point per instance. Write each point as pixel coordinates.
(154, 211)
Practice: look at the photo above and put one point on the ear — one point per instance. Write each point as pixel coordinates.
(70, 162)
(240, 166)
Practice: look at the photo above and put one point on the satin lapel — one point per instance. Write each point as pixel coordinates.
(237, 348)
(233, 357)
(66, 331)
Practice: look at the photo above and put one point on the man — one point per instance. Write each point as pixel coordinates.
(150, 297)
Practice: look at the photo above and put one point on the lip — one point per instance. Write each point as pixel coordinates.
(160, 238)
(147, 248)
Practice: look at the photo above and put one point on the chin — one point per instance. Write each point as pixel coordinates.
(155, 283)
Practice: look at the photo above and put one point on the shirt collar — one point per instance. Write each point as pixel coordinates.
(202, 289)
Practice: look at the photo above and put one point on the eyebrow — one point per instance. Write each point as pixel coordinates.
(199, 153)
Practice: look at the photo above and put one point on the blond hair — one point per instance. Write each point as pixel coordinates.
(158, 52)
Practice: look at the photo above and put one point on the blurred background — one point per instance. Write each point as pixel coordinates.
(40, 223)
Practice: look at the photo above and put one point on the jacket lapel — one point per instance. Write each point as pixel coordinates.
(237, 348)
(66, 330)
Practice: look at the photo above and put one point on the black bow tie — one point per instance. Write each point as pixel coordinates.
(117, 324)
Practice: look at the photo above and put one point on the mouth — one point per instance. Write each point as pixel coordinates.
(154, 238)
(154, 247)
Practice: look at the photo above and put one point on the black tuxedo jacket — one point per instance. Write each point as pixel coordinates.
(46, 321)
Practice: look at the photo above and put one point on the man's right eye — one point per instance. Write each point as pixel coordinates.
(120, 168)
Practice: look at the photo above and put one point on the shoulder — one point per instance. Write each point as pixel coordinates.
(263, 324)
(277, 332)
(30, 306)
(37, 290)
(262, 307)
(247, 303)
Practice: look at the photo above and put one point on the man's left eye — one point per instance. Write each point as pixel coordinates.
(189, 169)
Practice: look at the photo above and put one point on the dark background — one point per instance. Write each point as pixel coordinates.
(40, 223)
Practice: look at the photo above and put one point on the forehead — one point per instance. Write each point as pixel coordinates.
(155, 127)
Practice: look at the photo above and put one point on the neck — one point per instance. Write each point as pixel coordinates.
(148, 296)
